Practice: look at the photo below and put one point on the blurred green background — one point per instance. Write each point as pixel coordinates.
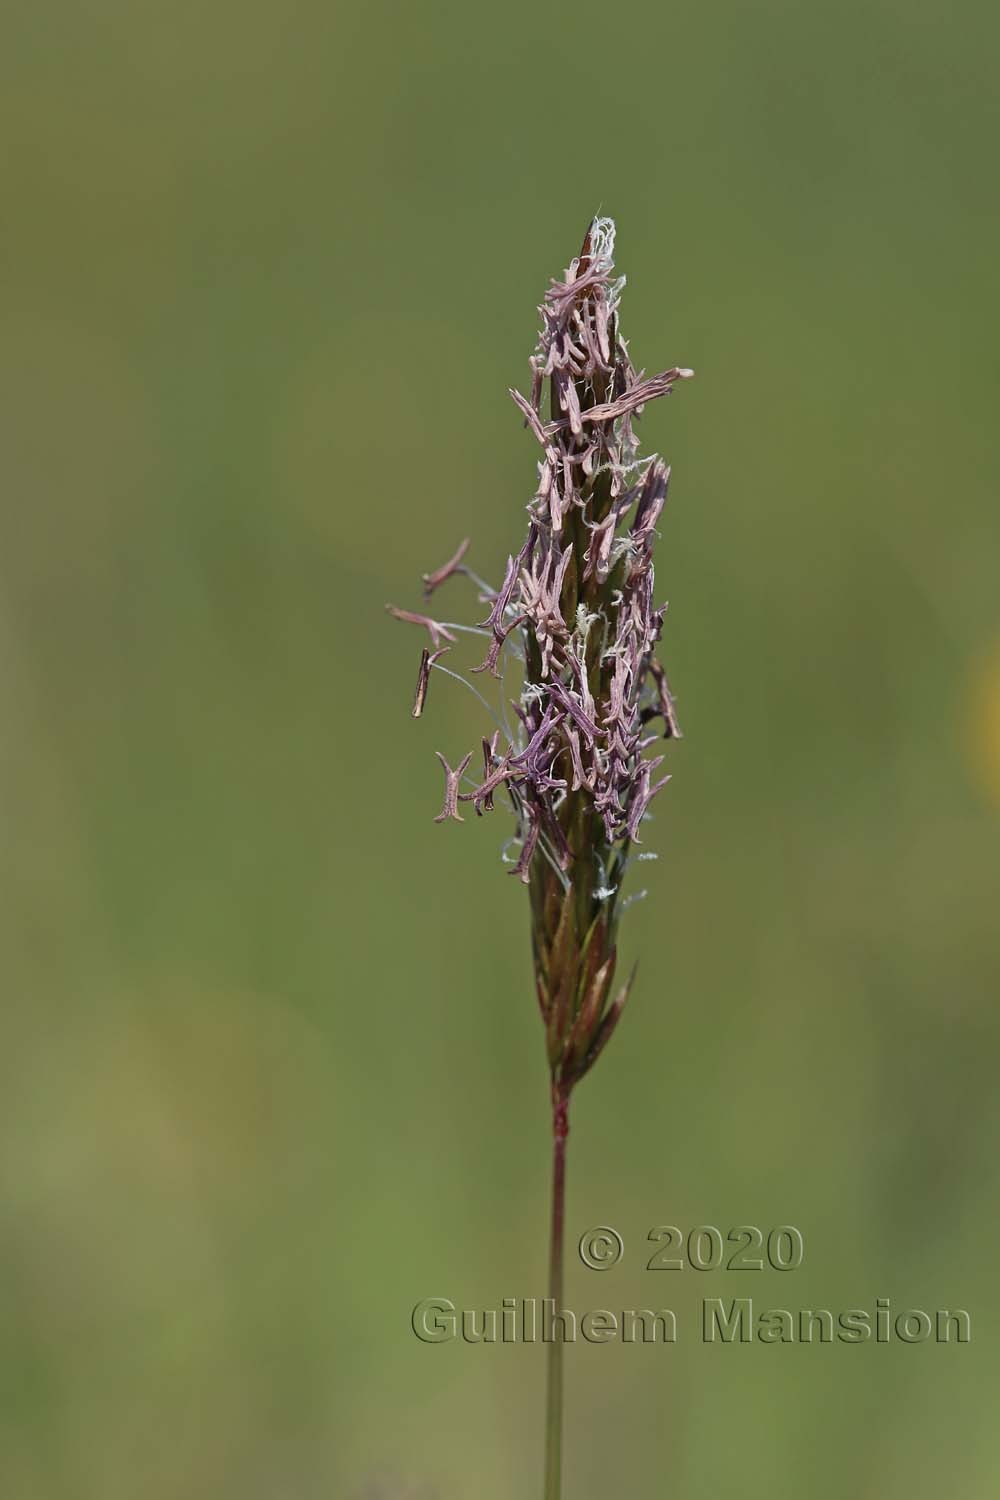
(271, 1068)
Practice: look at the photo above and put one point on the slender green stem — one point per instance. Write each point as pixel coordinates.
(554, 1404)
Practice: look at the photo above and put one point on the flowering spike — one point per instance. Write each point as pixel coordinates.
(577, 606)
(577, 609)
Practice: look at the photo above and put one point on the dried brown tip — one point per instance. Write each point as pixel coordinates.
(427, 660)
(585, 248)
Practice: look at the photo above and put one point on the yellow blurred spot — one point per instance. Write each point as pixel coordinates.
(984, 726)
